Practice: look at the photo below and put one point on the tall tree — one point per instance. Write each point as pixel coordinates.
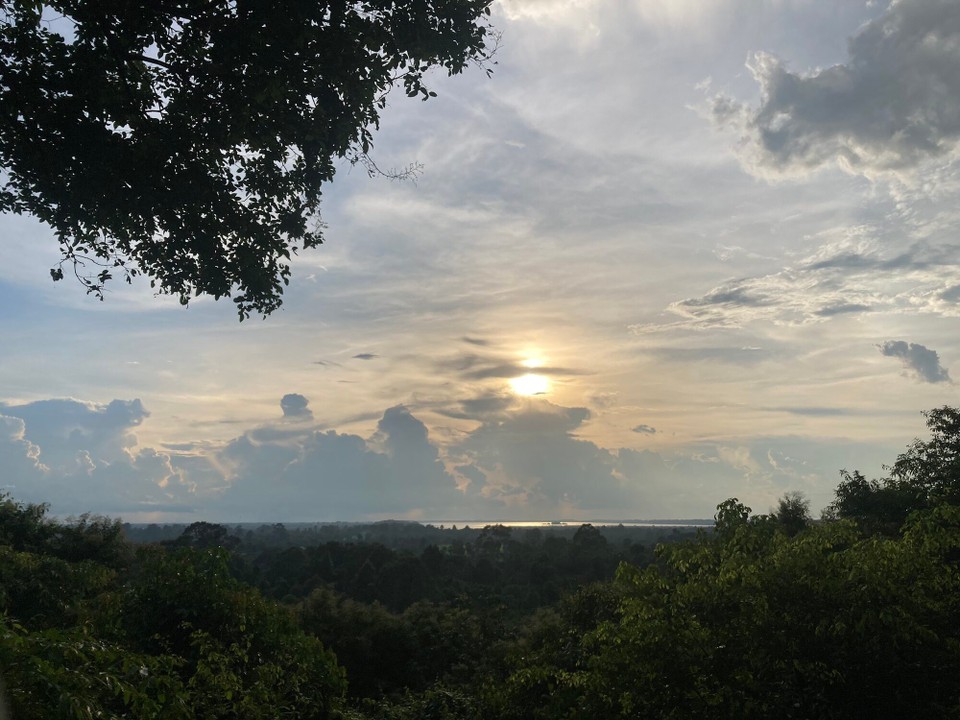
(188, 140)
(926, 474)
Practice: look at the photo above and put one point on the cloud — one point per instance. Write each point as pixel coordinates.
(62, 428)
(645, 429)
(545, 10)
(365, 356)
(813, 411)
(922, 361)
(842, 309)
(862, 272)
(326, 475)
(735, 355)
(479, 367)
(294, 406)
(82, 456)
(524, 460)
(19, 458)
(482, 407)
(532, 463)
(892, 106)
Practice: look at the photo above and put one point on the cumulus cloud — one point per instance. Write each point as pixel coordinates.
(894, 104)
(645, 429)
(294, 406)
(82, 456)
(532, 461)
(921, 361)
(326, 475)
(524, 460)
(19, 458)
(62, 428)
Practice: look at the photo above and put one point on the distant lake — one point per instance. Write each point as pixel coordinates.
(689, 523)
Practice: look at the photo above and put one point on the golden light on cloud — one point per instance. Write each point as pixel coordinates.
(530, 384)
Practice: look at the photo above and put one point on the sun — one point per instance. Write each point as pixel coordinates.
(530, 384)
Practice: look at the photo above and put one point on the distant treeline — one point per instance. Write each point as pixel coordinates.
(397, 564)
(409, 535)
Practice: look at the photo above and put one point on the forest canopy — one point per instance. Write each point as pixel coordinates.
(188, 140)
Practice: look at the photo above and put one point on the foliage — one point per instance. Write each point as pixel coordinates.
(437, 703)
(793, 512)
(752, 623)
(24, 527)
(925, 475)
(46, 591)
(173, 635)
(69, 674)
(188, 140)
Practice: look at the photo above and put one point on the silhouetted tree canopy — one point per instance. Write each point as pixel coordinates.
(926, 474)
(188, 140)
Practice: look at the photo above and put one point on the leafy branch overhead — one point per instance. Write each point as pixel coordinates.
(188, 140)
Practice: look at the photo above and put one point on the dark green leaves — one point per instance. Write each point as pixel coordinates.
(189, 140)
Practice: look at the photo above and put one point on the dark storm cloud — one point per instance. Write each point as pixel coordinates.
(894, 104)
(922, 361)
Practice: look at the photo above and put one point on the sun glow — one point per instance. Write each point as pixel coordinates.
(530, 384)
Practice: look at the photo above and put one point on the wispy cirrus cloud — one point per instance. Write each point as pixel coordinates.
(852, 277)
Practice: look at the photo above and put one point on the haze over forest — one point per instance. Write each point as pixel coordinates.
(672, 252)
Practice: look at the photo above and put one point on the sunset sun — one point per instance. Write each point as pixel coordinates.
(530, 384)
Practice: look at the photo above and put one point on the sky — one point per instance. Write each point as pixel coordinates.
(671, 252)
